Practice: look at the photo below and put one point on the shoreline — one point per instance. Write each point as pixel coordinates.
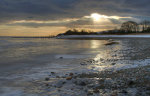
(125, 82)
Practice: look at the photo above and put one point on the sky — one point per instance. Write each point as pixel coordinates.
(51, 17)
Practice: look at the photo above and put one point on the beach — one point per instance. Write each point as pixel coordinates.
(66, 67)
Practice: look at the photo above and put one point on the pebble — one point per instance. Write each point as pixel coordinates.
(130, 82)
(68, 78)
(82, 83)
(83, 63)
(60, 84)
(113, 64)
(96, 91)
(52, 72)
(89, 93)
(46, 79)
(60, 57)
(46, 84)
(71, 74)
(124, 91)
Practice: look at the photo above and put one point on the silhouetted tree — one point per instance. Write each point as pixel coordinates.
(145, 26)
(129, 26)
(77, 32)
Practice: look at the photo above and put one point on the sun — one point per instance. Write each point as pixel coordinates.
(96, 16)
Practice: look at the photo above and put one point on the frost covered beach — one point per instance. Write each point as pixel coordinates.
(66, 67)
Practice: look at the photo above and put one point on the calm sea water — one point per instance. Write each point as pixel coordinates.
(19, 53)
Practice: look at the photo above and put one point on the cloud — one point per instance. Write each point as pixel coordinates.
(71, 13)
(73, 22)
(60, 9)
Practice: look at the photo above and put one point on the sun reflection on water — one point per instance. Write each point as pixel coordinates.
(106, 56)
(96, 44)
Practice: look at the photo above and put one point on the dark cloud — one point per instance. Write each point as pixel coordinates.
(60, 9)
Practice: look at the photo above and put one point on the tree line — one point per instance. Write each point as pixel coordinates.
(126, 28)
(78, 32)
(131, 27)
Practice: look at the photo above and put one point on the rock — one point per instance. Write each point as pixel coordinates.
(66, 74)
(111, 43)
(83, 63)
(130, 83)
(82, 83)
(90, 86)
(46, 84)
(60, 57)
(74, 77)
(60, 84)
(47, 79)
(108, 81)
(57, 77)
(101, 59)
(147, 88)
(96, 91)
(59, 90)
(72, 89)
(68, 78)
(71, 74)
(113, 64)
(63, 76)
(52, 72)
(114, 94)
(89, 93)
(124, 91)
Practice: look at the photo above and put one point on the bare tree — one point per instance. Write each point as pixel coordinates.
(130, 26)
(145, 25)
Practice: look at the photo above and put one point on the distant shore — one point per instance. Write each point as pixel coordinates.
(130, 35)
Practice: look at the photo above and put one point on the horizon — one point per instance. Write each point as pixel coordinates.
(51, 17)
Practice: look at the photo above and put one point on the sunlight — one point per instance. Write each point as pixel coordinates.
(95, 44)
(96, 16)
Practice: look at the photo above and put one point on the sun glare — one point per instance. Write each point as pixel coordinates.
(96, 16)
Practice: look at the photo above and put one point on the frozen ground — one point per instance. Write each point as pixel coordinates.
(102, 36)
(52, 67)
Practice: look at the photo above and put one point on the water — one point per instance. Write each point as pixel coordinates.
(25, 59)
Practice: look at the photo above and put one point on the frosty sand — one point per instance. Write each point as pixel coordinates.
(101, 36)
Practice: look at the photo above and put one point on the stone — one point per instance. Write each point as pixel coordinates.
(96, 91)
(60, 84)
(60, 57)
(113, 64)
(114, 94)
(47, 79)
(68, 78)
(83, 63)
(52, 72)
(71, 74)
(82, 83)
(130, 82)
(124, 91)
(111, 43)
(46, 84)
(89, 93)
